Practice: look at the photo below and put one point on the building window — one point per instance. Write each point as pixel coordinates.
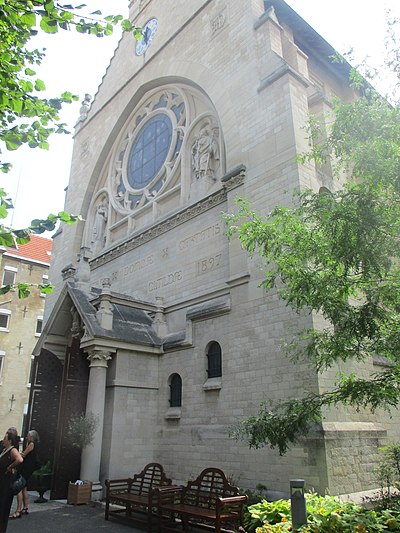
(4, 319)
(39, 326)
(214, 361)
(9, 275)
(175, 395)
(149, 151)
(2, 357)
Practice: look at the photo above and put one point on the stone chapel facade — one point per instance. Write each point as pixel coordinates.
(160, 323)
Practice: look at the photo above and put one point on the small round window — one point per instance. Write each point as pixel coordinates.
(149, 151)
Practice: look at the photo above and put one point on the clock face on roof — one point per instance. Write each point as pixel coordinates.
(149, 30)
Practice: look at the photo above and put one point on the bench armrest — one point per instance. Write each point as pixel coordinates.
(239, 498)
(232, 503)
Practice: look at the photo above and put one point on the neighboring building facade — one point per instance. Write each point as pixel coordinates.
(21, 322)
(160, 327)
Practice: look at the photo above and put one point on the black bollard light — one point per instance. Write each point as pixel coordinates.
(298, 503)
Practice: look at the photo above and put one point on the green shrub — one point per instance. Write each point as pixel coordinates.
(325, 514)
(81, 429)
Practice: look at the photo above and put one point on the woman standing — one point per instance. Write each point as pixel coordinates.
(10, 458)
(29, 465)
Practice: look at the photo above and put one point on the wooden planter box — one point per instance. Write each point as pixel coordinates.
(79, 494)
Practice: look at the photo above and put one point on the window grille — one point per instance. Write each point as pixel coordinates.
(175, 398)
(214, 361)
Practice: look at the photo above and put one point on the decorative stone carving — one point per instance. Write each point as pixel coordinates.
(136, 179)
(82, 275)
(205, 152)
(99, 226)
(235, 180)
(76, 327)
(84, 110)
(68, 272)
(104, 313)
(98, 358)
(181, 128)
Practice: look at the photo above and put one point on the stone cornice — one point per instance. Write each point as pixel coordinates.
(284, 69)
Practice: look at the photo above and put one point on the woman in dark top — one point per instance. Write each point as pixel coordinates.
(10, 458)
(26, 470)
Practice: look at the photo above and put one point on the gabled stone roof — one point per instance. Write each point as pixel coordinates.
(130, 324)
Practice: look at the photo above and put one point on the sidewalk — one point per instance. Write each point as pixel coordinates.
(57, 516)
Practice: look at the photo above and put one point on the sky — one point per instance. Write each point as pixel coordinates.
(77, 63)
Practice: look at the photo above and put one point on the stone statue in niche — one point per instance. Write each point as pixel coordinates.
(99, 227)
(205, 152)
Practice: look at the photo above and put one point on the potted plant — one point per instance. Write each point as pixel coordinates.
(42, 481)
(80, 432)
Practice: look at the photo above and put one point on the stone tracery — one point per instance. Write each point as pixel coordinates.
(166, 106)
(171, 140)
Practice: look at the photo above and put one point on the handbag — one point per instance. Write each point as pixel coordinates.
(17, 483)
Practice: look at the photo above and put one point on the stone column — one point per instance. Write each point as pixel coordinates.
(91, 455)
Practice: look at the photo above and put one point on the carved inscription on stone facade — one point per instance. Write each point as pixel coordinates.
(138, 265)
(218, 22)
(164, 281)
(208, 264)
(200, 237)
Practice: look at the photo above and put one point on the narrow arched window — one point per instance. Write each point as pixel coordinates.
(214, 361)
(175, 395)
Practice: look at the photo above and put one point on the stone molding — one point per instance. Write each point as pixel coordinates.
(284, 69)
(172, 222)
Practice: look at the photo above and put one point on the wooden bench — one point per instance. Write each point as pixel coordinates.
(136, 494)
(210, 499)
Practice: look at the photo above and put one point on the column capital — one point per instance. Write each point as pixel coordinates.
(98, 358)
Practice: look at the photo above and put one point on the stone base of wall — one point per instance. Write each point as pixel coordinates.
(352, 455)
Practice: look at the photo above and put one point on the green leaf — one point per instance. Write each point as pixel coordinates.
(49, 25)
(6, 239)
(28, 18)
(46, 288)
(4, 289)
(3, 211)
(39, 85)
(22, 236)
(12, 143)
(23, 290)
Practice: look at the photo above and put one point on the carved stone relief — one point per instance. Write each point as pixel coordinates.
(98, 240)
(205, 151)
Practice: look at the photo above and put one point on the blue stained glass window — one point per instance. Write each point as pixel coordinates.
(149, 151)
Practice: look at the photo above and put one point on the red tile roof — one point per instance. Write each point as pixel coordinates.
(37, 249)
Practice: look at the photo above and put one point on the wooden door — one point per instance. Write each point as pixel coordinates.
(67, 459)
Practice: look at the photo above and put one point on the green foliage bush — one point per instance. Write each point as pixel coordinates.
(388, 476)
(81, 429)
(325, 514)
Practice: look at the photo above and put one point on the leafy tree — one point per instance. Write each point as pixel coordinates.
(27, 118)
(337, 255)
